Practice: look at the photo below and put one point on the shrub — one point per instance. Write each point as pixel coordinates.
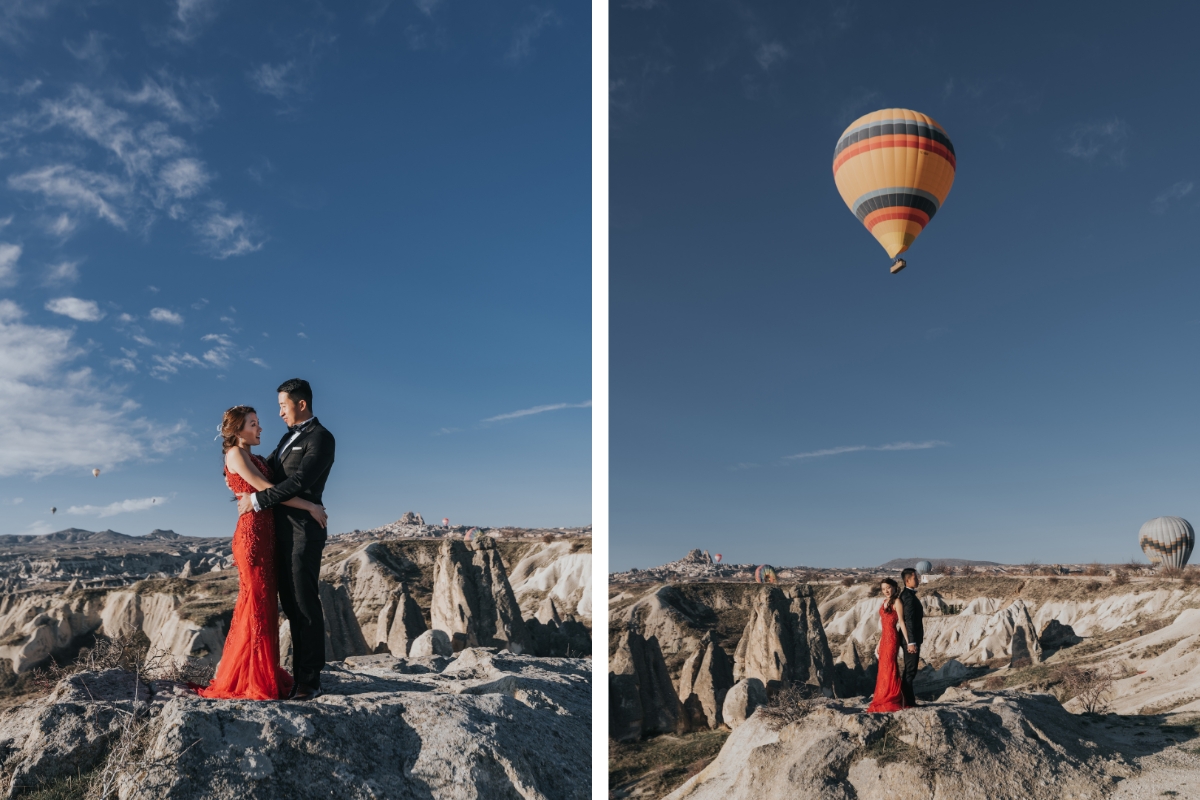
(1120, 577)
(548, 538)
(1092, 586)
(1172, 572)
(790, 704)
(1092, 686)
(847, 581)
(993, 683)
(1093, 570)
(1191, 576)
(966, 569)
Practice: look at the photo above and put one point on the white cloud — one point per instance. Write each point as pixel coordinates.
(1172, 194)
(770, 54)
(9, 254)
(62, 272)
(184, 177)
(122, 507)
(525, 412)
(229, 234)
(1094, 139)
(15, 13)
(521, 46)
(76, 189)
(191, 17)
(171, 364)
(126, 364)
(277, 80)
(165, 315)
(57, 415)
(837, 451)
(91, 49)
(73, 307)
(61, 226)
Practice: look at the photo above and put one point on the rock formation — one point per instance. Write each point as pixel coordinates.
(485, 725)
(707, 676)
(741, 701)
(784, 641)
(642, 699)
(973, 746)
(473, 601)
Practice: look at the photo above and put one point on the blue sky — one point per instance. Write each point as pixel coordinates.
(200, 199)
(1026, 389)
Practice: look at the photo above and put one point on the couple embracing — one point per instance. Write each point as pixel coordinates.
(277, 546)
(901, 610)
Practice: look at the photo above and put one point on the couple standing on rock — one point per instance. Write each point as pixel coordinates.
(893, 688)
(277, 548)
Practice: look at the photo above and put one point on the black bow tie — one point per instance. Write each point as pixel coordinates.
(301, 426)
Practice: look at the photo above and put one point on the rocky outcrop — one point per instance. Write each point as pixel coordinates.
(707, 677)
(972, 746)
(375, 583)
(976, 638)
(560, 572)
(473, 601)
(642, 699)
(784, 641)
(485, 725)
(742, 700)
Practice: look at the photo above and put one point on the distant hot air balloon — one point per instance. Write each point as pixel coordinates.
(445, 522)
(1167, 541)
(470, 535)
(53, 509)
(95, 473)
(924, 567)
(717, 558)
(764, 574)
(894, 168)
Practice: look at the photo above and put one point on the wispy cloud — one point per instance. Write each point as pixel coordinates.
(61, 273)
(770, 54)
(9, 255)
(229, 234)
(122, 507)
(837, 451)
(526, 412)
(277, 80)
(165, 315)
(192, 17)
(521, 46)
(1094, 139)
(76, 309)
(1172, 195)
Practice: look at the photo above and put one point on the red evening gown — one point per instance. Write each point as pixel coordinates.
(887, 685)
(249, 668)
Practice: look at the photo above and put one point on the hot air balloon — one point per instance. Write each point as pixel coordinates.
(924, 567)
(470, 535)
(1167, 541)
(53, 509)
(445, 522)
(717, 558)
(95, 473)
(764, 574)
(894, 168)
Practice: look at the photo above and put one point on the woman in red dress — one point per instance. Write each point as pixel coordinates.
(249, 668)
(887, 685)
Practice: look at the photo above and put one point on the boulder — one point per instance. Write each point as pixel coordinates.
(431, 643)
(641, 697)
(741, 700)
(784, 641)
(472, 599)
(707, 677)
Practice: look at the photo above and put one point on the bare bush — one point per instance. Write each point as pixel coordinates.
(1120, 577)
(1053, 579)
(1092, 586)
(944, 569)
(548, 538)
(790, 704)
(1191, 576)
(933, 757)
(847, 582)
(1030, 567)
(1171, 572)
(119, 652)
(1093, 570)
(1092, 686)
(966, 569)
(993, 683)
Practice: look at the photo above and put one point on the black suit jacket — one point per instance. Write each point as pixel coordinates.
(301, 470)
(914, 616)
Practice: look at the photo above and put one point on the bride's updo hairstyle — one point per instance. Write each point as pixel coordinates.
(895, 591)
(232, 424)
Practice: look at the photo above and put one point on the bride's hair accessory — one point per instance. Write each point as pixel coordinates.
(231, 425)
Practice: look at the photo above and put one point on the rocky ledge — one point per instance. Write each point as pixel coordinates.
(485, 724)
(966, 746)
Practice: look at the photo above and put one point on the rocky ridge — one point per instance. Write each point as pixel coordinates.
(484, 724)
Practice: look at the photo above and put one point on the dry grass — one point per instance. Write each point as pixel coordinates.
(124, 652)
(1094, 570)
(790, 704)
(656, 767)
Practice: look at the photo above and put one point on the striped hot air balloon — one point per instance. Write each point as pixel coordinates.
(894, 168)
(470, 535)
(717, 558)
(765, 574)
(1167, 541)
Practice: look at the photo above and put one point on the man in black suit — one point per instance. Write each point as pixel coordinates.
(914, 616)
(299, 468)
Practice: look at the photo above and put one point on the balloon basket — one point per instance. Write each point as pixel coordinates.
(898, 265)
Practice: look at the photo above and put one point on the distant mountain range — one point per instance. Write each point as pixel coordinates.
(903, 563)
(75, 535)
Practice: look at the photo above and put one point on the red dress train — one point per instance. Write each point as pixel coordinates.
(888, 697)
(249, 668)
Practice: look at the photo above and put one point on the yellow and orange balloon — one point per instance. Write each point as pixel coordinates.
(894, 168)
